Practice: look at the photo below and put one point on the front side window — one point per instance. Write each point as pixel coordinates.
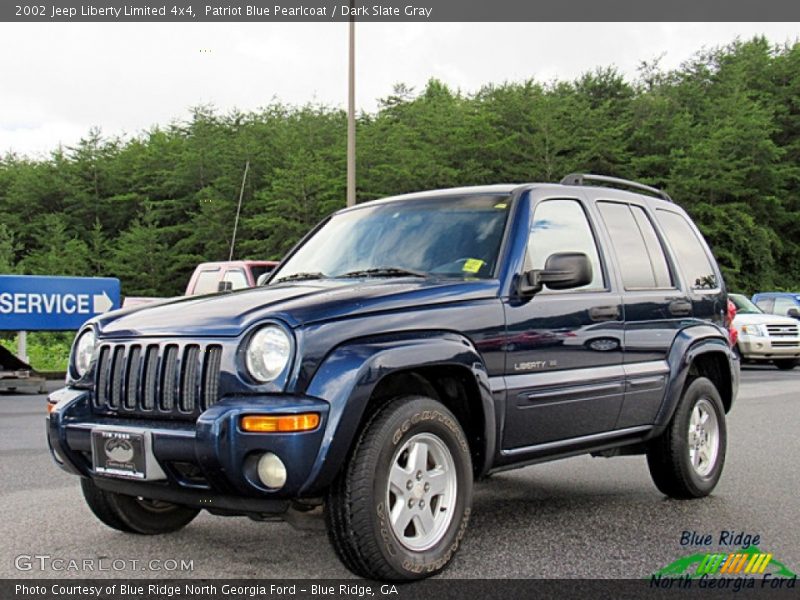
(562, 226)
(456, 237)
(641, 258)
(237, 279)
(765, 304)
(689, 251)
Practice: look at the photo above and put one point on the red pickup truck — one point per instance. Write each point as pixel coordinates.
(212, 277)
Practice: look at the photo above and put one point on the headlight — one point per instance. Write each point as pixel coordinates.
(757, 330)
(84, 349)
(268, 353)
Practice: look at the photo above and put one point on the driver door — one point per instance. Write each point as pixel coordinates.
(564, 349)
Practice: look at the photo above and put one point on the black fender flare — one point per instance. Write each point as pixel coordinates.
(349, 374)
(691, 343)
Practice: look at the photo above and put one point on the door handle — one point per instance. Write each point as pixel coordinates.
(604, 313)
(680, 308)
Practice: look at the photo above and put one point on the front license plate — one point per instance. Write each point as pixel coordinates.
(119, 453)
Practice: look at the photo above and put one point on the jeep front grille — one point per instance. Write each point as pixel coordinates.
(169, 380)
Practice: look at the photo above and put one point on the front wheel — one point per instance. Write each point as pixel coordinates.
(135, 515)
(399, 508)
(686, 460)
(786, 364)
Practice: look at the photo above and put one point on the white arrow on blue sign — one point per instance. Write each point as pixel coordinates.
(34, 303)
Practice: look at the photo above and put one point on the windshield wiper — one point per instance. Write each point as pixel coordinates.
(385, 272)
(301, 277)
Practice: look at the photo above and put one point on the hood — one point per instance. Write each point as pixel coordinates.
(296, 304)
(762, 319)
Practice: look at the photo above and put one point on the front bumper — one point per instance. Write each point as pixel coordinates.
(210, 463)
(767, 348)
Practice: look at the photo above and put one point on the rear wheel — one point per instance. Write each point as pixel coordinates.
(132, 514)
(399, 508)
(686, 460)
(786, 364)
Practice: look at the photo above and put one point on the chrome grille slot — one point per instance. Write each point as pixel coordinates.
(170, 380)
(101, 394)
(188, 401)
(117, 369)
(150, 379)
(132, 379)
(211, 368)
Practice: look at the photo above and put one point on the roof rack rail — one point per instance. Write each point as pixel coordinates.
(582, 178)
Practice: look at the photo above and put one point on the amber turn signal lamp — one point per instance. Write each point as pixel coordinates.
(280, 423)
(50, 407)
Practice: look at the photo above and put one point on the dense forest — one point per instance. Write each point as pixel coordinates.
(721, 134)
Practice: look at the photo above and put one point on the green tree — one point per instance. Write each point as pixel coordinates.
(8, 250)
(141, 260)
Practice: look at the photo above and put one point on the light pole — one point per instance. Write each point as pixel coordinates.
(351, 113)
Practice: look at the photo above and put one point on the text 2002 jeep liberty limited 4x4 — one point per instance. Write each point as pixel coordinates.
(404, 348)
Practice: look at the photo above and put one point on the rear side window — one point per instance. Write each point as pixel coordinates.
(689, 251)
(207, 282)
(783, 305)
(641, 258)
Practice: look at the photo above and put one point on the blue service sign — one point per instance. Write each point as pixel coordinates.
(34, 303)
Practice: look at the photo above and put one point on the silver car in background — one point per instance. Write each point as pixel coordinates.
(764, 337)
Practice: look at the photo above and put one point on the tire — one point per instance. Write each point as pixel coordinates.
(670, 456)
(786, 364)
(379, 479)
(135, 515)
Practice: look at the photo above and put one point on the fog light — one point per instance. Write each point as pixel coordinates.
(271, 471)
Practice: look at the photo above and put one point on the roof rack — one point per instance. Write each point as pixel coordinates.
(582, 178)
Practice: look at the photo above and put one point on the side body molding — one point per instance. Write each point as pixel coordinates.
(349, 374)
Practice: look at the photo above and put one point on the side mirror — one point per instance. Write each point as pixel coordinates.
(225, 286)
(263, 278)
(794, 313)
(562, 271)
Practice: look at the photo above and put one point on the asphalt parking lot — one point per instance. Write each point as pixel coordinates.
(582, 517)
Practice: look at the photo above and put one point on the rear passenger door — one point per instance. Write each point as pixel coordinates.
(655, 308)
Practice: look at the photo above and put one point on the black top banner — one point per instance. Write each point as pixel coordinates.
(401, 10)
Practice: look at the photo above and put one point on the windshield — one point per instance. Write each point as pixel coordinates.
(743, 305)
(444, 237)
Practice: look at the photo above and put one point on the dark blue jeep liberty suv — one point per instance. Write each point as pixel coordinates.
(404, 348)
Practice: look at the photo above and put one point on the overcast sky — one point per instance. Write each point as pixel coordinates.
(59, 79)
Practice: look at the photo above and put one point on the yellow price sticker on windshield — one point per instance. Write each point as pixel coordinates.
(501, 205)
(473, 265)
